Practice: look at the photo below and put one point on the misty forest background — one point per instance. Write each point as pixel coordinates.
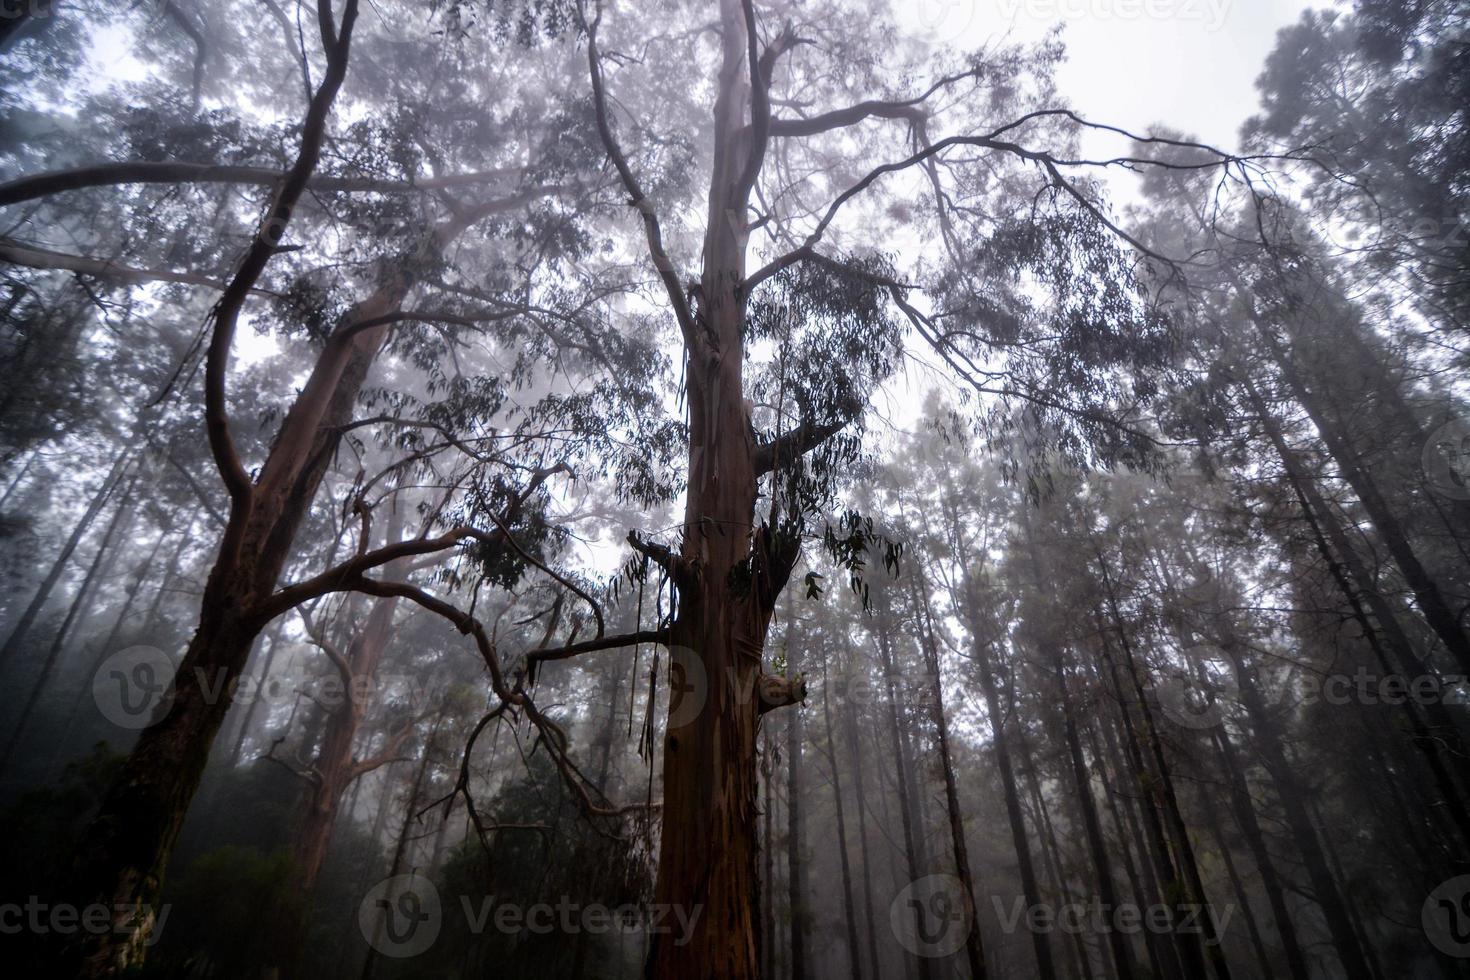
(1038, 473)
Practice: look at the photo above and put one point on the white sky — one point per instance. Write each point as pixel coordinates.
(1191, 64)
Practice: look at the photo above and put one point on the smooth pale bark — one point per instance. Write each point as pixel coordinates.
(335, 768)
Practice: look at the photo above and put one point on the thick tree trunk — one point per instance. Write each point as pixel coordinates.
(124, 858)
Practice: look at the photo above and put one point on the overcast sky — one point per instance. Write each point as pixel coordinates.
(1188, 63)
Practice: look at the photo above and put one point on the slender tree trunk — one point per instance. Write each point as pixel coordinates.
(1426, 590)
(1184, 958)
(1337, 551)
(22, 628)
(1144, 893)
(875, 965)
(980, 656)
(902, 769)
(1169, 801)
(1237, 885)
(974, 949)
(795, 864)
(768, 864)
(400, 848)
(120, 517)
(1285, 782)
(1082, 780)
(335, 767)
(849, 911)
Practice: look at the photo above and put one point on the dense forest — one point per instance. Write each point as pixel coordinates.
(729, 489)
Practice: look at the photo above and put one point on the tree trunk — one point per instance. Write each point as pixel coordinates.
(1285, 782)
(1082, 780)
(1169, 803)
(22, 628)
(980, 656)
(903, 768)
(795, 865)
(849, 911)
(1426, 590)
(74, 613)
(974, 949)
(124, 858)
(875, 964)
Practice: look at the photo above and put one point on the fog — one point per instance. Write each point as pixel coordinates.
(788, 490)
